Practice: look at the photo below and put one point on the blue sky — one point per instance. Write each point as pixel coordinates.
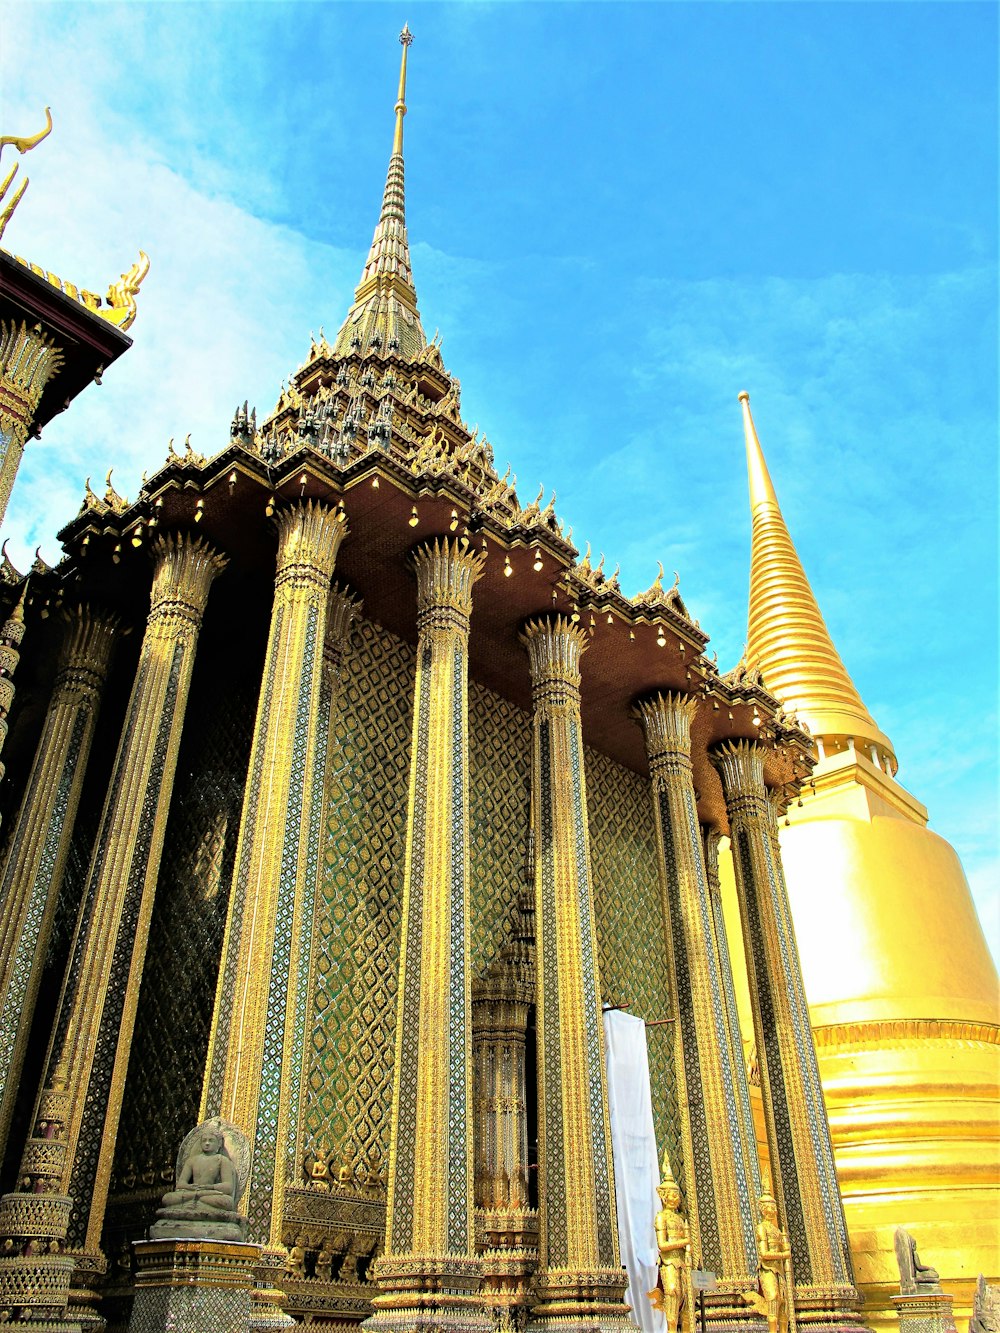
(620, 215)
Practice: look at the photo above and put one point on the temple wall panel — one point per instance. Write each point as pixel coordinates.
(173, 1021)
(350, 1082)
(499, 796)
(358, 926)
(629, 914)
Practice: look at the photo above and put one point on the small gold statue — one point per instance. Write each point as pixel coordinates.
(673, 1241)
(324, 1262)
(345, 1171)
(319, 1171)
(296, 1262)
(775, 1257)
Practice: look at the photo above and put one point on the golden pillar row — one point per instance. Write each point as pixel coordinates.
(68, 1159)
(258, 1032)
(28, 360)
(580, 1278)
(40, 841)
(722, 1177)
(429, 1270)
(798, 1133)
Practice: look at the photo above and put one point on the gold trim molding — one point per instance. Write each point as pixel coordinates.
(884, 1031)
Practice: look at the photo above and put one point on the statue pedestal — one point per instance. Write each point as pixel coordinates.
(924, 1312)
(190, 1286)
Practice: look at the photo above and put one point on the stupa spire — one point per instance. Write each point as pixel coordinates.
(787, 638)
(384, 316)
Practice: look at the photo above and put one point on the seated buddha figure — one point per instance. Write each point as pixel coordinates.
(206, 1183)
(203, 1201)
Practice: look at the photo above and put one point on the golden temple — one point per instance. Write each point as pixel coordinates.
(343, 794)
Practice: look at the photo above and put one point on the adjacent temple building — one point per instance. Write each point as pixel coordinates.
(342, 793)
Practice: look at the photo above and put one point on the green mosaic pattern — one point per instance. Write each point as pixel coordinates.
(358, 923)
(163, 1086)
(630, 940)
(499, 786)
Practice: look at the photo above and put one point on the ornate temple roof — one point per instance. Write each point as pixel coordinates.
(384, 313)
(787, 638)
(373, 425)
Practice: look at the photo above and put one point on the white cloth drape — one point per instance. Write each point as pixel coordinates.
(637, 1172)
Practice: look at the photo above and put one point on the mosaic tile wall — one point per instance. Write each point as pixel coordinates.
(352, 1038)
(627, 903)
(350, 1083)
(163, 1086)
(499, 801)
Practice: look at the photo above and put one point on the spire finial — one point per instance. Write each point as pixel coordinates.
(405, 41)
(761, 490)
(384, 313)
(787, 638)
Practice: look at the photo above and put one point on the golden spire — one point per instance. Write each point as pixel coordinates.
(384, 315)
(787, 638)
(406, 41)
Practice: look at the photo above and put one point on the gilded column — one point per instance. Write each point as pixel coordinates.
(342, 608)
(68, 1159)
(720, 1168)
(258, 1032)
(802, 1166)
(11, 636)
(580, 1278)
(429, 1271)
(33, 872)
(745, 1123)
(28, 360)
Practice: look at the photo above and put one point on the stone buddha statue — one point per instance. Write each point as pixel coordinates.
(212, 1169)
(915, 1278)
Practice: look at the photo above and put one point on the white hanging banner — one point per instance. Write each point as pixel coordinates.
(637, 1172)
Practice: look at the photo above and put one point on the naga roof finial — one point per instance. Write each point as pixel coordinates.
(23, 145)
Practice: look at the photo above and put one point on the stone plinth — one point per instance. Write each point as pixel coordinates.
(190, 1286)
(924, 1312)
(223, 1232)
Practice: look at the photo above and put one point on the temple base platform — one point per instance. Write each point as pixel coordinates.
(924, 1312)
(189, 1286)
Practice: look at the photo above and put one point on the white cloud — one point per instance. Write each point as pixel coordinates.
(224, 313)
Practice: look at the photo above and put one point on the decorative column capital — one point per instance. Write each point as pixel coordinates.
(342, 609)
(446, 570)
(28, 360)
(309, 537)
(741, 767)
(554, 645)
(85, 654)
(182, 579)
(666, 720)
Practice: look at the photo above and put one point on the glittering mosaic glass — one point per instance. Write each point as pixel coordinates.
(358, 923)
(163, 1087)
(627, 907)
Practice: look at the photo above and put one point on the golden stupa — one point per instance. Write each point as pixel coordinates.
(901, 986)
